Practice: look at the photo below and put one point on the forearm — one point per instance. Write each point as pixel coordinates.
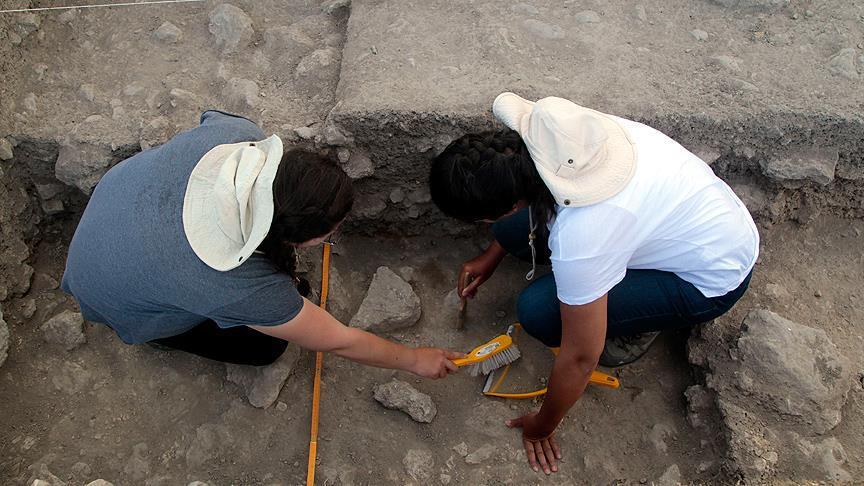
(369, 349)
(567, 383)
(495, 252)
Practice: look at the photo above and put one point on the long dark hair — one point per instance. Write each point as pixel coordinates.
(482, 175)
(311, 196)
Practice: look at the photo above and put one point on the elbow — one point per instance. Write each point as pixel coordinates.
(580, 364)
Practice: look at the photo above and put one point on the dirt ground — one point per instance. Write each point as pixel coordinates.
(135, 415)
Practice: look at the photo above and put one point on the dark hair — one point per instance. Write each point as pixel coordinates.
(482, 175)
(311, 195)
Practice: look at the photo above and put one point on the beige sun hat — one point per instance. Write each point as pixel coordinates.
(582, 155)
(228, 206)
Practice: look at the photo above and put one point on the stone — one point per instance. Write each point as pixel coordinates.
(407, 273)
(331, 7)
(52, 207)
(99, 482)
(764, 5)
(587, 17)
(168, 33)
(397, 195)
(27, 23)
(306, 133)
(699, 35)
(390, 304)
(343, 155)
(524, 9)
(156, 132)
(29, 102)
(640, 13)
(5, 149)
(825, 459)
(445, 478)
(28, 308)
(319, 65)
(49, 190)
(87, 92)
(4, 339)
(672, 477)
(231, 28)
(461, 449)
(83, 469)
(138, 464)
(210, 440)
(241, 94)
(658, 435)
(481, 455)
(817, 164)
(543, 30)
(262, 384)
(419, 464)
(335, 134)
(700, 402)
(82, 165)
(198, 483)
(793, 370)
(726, 62)
(65, 329)
(399, 395)
(752, 195)
(843, 64)
(71, 378)
(359, 165)
(281, 406)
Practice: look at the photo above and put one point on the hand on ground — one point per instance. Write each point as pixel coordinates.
(540, 447)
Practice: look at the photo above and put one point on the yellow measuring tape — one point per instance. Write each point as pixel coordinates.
(316, 384)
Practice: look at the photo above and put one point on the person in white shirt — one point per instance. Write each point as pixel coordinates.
(641, 235)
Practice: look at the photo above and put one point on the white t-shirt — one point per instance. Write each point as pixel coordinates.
(674, 215)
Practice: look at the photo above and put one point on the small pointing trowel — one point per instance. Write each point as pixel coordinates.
(463, 301)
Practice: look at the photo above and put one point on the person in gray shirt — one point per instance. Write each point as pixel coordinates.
(190, 246)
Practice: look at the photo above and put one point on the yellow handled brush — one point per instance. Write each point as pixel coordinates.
(490, 356)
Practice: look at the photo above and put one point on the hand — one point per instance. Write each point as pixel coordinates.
(434, 363)
(478, 270)
(540, 445)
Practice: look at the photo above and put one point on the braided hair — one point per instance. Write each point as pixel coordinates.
(481, 176)
(311, 196)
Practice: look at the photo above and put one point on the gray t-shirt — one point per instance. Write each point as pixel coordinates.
(131, 267)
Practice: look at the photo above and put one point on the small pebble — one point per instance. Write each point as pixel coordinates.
(281, 406)
(500, 314)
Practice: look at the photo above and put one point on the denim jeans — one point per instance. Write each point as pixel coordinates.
(646, 300)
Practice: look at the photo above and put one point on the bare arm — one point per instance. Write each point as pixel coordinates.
(314, 328)
(583, 333)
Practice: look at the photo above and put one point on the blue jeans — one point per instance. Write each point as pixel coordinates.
(645, 301)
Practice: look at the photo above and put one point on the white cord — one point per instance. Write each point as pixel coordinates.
(125, 4)
(531, 237)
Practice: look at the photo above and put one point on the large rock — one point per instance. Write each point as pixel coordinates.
(4, 339)
(803, 163)
(791, 370)
(389, 304)
(82, 165)
(231, 27)
(779, 392)
(65, 329)
(262, 384)
(398, 395)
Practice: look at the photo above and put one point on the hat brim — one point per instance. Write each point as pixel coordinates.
(603, 182)
(200, 220)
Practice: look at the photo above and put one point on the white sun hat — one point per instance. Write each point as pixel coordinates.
(228, 206)
(582, 155)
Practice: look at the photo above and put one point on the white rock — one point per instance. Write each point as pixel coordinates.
(5, 149)
(99, 482)
(71, 378)
(672, 477)
(87, 92)
(817, 164)
(699, 35)
(390, 304)
(262, 384)
(587, 17)
(461, 449)
(727, 62)
(399, 395)
(481, 455)
(330, 7)
(168, 33)
(543, 30)
(65, 329)
(843, 64)
(419, 464)
(241, 94)
(231, 27)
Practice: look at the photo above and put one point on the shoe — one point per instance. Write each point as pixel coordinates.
(623, 350)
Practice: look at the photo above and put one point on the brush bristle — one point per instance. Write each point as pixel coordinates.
(495, 361)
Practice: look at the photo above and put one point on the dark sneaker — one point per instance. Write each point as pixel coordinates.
(623, 350)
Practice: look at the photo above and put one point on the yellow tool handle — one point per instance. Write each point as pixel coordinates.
(597, 378)
(316, 383)
(466, 361)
